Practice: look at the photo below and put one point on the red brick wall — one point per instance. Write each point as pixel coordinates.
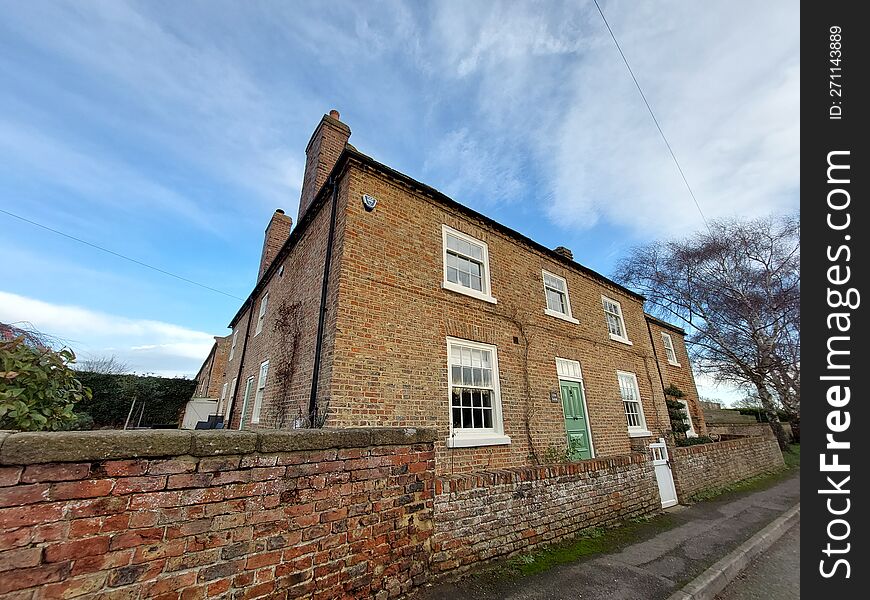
(314, 514)
(482, 516)
(212, 373)
(298, 289)
(277, 233)
(706, 467)
(680, 376)
(390, 364)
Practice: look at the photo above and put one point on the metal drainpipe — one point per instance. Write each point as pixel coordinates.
(321, 319)
(229, 418)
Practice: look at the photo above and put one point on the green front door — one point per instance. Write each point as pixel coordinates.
(575, 420)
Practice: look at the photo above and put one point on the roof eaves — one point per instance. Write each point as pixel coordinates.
(444, 199)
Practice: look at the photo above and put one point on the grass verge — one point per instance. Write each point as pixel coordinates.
(598, 540)
(590, 542)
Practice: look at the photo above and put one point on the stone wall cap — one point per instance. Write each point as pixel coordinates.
(23, 448)
(77, 446)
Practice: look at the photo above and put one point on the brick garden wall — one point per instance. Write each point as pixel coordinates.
(487, 515)
(707, 467)
(184, 515)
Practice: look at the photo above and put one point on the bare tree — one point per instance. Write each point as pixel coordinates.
(104, 365)
(737, 289)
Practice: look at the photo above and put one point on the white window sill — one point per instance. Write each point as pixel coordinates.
(674, 364)
(621, 340)
(453, 287)
(562, 316)
(470, 441)
(639, 433)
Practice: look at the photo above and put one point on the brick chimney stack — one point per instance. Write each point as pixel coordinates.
(563, 251)
(326, 145)
(277, 233)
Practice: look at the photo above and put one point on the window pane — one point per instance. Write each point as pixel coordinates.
(455, 398)
(464, 279)
(456, 374)
(466, 397)
(467, 378)
(466, 357)
(556, 301)
(487, 378)
(478, 376)
(478, 418)
(457, 418)
(452, 275)
(486, 397)
(451, 260)
(475, 398)
(476, 283)
(476, 252)
(487, 418)
(452, 242)
(466, 417)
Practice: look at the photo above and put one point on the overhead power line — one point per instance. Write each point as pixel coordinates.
(119, 255)
(652, 114)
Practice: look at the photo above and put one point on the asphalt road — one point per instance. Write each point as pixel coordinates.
(773, 575)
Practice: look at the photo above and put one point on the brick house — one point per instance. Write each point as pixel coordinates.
(213, 372)
(390, 304)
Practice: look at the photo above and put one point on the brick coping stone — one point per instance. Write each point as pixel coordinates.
(25, 448)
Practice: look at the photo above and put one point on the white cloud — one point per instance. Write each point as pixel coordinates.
(550, 84)
(145, 345)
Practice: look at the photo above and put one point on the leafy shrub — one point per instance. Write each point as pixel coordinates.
(694, 441)
(38, 389)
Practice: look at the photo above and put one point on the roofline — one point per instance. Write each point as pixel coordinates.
(444, 199)
(350, 152)
(294, 236)
(665, 324)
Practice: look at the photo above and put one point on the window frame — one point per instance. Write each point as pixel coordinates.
(623, 339)
(249, 383)
(229, 401)
(261, 316)
(467, 438)
(260, 392)
(670, 350)
(233, 345)
(549, 311)
(486, 293)
(691, 432)
(633, 430)
(223, 396)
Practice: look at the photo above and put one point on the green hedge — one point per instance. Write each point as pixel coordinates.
(164, 398)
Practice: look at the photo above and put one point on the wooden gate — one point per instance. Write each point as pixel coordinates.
(664, 475)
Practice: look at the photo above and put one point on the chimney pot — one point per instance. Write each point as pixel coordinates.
(335, 115)
(563, 251)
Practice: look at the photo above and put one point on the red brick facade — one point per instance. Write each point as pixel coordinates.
(678, 373)
(388, 317)
(212, 374)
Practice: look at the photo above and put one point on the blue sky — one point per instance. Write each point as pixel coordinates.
(170, 131)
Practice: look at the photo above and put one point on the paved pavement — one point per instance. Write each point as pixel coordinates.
(647, 569)
(773, 575)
